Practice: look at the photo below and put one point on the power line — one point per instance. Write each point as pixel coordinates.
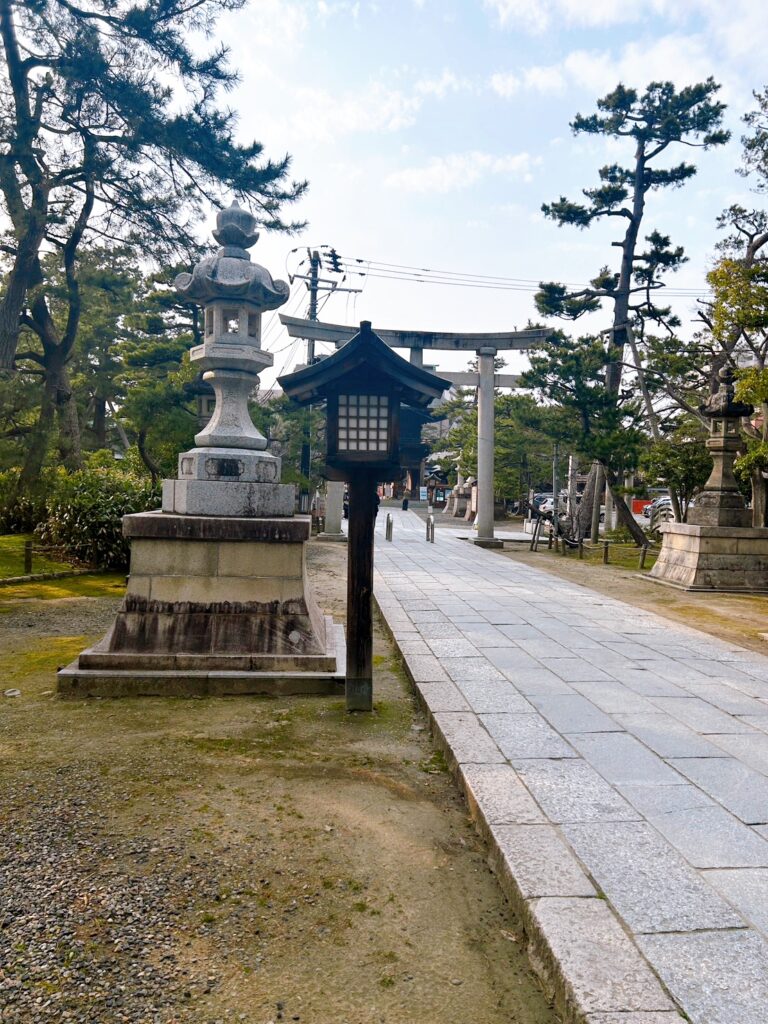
(459, 279)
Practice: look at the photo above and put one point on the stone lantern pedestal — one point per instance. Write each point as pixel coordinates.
(217, 600)
(717, 549)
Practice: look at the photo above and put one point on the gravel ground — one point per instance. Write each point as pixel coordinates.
(235, 859)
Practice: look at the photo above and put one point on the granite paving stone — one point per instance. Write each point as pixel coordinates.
(719, 977)
(622, 759)
(650, 799)
(727, 698)
(602, 968)
(438, 630)
(468, 741)
(511, 660)
(531, 681)
(540, 862)
(747, 890)
(649, 884)
(613, 697)
(462, 669)
(752, 749)
(426, 668)
(668, 736)
(710, 837)
(574, 669)
(444, 696)
(572, 791)
(491, 694)
(526, 736)
(453, 647)
(700, 716)
(647, 682)
(740, 789)
(574, 713)
(500, 795)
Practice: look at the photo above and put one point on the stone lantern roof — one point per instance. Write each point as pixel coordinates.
(230, 275)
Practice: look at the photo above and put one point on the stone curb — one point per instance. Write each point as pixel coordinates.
(588, 965)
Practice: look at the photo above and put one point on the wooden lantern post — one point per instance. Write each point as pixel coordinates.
(363, 385)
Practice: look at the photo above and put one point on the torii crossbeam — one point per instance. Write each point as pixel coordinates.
(485, 344)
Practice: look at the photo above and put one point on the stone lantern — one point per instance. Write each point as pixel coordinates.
(218, 600)
(234, 292)
(717, 549)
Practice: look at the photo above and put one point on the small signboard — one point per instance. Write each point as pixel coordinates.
(422, 494)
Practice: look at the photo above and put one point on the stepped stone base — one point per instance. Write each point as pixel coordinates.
(714, 558)
(213, 606)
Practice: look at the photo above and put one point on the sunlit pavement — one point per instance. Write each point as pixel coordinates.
(617, 763)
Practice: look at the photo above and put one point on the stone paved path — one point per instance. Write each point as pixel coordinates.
(617, 763)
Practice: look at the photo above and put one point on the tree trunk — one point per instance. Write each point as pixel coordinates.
(100, 421)
(69, 424)
(759, 498)
(625, 516)
(29, 477)
(583, 517)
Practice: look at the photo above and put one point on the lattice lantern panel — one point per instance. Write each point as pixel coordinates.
(363, 423)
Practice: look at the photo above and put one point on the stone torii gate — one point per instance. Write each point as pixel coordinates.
(485, 345)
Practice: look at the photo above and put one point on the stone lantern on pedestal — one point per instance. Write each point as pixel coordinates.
(217, 600)
(717, 549)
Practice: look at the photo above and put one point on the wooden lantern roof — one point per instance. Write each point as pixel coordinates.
(367, 361)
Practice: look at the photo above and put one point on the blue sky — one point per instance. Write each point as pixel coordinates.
(431, 131)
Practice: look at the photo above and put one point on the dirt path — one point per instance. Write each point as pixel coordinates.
(742, 620)
(217, 860)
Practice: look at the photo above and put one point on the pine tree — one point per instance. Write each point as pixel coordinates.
(96, 144)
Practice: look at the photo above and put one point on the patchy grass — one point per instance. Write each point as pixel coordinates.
(97, 585)
(12, 557)
(620, 556)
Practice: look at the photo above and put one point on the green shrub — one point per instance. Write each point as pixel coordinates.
(85, 511)
(19, 513)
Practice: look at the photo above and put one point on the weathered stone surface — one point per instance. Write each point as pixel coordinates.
(613, 697)
(650, 885)
(294, 530)
(538, 862)
(700, 716)
(574, 713)
(443, 696)
(526, 736)
(573, 791)
(466, 740)
(654, 799)
(747, 890)
(668, 736)
(719, 977)
(620, 758)
(597, 965)
(498, 795)
(727, 558)
(216, 498)
(489, 695)
(710, 837)
(228, 464)
(738, 788)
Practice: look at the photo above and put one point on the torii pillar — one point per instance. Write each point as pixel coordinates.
(485, 446)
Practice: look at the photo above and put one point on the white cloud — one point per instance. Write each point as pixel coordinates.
(681, 59)
(440, 87)
(460, 170)
(320, 116)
